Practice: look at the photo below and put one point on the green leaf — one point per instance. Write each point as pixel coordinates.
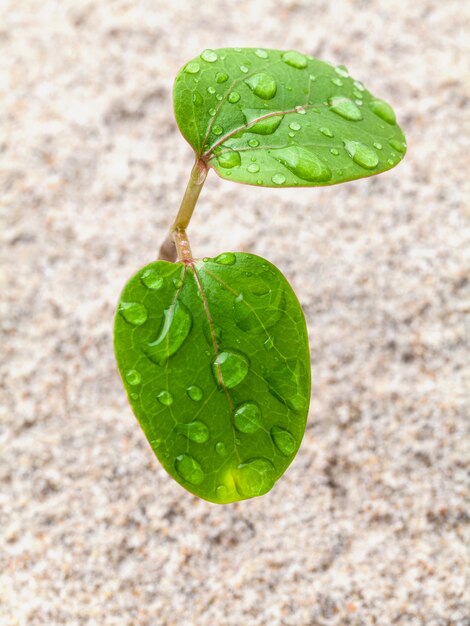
(215, 360)
(281, 119)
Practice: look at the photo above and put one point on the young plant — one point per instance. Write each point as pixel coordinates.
(214, 352)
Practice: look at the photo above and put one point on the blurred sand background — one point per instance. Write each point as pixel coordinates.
(370, 525)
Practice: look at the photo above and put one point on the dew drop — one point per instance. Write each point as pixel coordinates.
(195, 431)
(286, 382)
(295, 126)
(133, 312)
(133, 377)
(219, 97)
(326, 131)
(211, 89)
(253, 143)
(303, 163)
(247, 418)
(176, 325)
(221, 492)
(229, 158)
(254, 477)
(262, 54)
(209, 55)
(189, 469)
(283, 440)
(152, 279)
(221, 449)
(232, 366)
(178, 283)
(278, 179)
(397, 145)
(377, 145)
(244, 69)
(345, 108)
(197, 98)
(291, 134)
(217, 130)
(357, 93)
(226, 258)
(165, 398)
(334, 151)
(266, 126)
(295, 59)
(134, 395)
(192, 67)
(195, 393)
(359, 85)
(342, 70)
(337, 81)
(269, 343)
(253, 168)
(212, 111)
(262, 85)
(383, 110)
(233, 97)
(300, 110)
(221, 77)
(361, 154)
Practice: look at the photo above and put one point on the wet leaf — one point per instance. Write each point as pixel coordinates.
(214, 357)
(280, 118)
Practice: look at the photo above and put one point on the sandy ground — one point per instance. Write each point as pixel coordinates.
(370, 525)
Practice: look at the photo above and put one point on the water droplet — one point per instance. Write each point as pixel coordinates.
(253, 143)
(300, 110)
(326, 131)
(377, 145)
(177, 322)
(165, 398)
(278, 179)
(357, 93)
(233, 97)
(232, 366)
(229, 158)
(189, 469)
(209, 55)
(195, 431)
(295, 126)
(220, 448)
(133, 312)
(303, 163)
(195, 393)
(247, 418)
(345, 108)
(284, 440)
(262, 85)
(253, 168)
(383, 110)
(226, 258)
(269, 343)
(334, 151)
(134, 395)
(217, 130)
(221, 77)
(221, 492)
(219, 97)
(197, 98)
(152, 279)
(262, 54)
(192, 67)
(342, 70)
(295, 59)
(254, 477)
(244, 69)
(266, 126)
(211, 89)
(133, 377)
(397, 145)
(337, 81)
(359, 85)
(212, 111)
(361, 154)
(287, 381)
(178, 283)
(291, 134)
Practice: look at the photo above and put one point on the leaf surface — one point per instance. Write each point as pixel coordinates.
(280, 119)
(214, 357)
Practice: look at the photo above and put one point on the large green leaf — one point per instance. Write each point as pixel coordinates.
(215, 360)
(280, 118)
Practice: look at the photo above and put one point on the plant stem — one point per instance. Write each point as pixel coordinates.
(176, 243)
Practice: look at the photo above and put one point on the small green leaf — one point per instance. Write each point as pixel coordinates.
(215, 360)
(281, 119)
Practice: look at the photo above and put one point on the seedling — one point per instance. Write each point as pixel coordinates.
(214, 352)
